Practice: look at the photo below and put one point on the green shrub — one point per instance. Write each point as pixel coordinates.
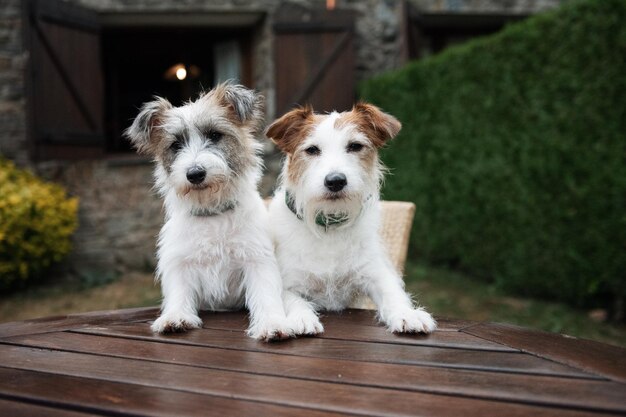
(513, 148)
(36, 222)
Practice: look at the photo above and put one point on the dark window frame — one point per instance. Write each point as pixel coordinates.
(44, 145)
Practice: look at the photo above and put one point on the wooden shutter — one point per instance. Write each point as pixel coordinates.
(65, 82)
(314, 58)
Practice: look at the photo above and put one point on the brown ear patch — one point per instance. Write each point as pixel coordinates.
(289, 130)
(377, 125)
(244, 105)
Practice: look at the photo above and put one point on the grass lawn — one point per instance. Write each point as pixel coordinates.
(445, 293)
(131, 290)
(451, 294)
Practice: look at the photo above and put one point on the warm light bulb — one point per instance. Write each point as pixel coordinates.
(181, 73)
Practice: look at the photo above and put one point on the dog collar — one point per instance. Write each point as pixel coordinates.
(321, 219)
(207, 212)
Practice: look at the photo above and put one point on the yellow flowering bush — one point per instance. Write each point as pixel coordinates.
(37, 220)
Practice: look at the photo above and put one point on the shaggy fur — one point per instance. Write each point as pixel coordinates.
(214, 250)
(330, 250)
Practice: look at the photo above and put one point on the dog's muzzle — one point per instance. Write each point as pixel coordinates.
(196, 175)
(335, 181)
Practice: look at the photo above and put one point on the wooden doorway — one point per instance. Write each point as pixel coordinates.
(314, 59)
(65, 81)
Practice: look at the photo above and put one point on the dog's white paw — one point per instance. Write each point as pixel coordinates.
(271, 329)
(411, 321)
(176, 323)
(305, 322)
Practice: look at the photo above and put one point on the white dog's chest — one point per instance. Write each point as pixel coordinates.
(212, 253)
(329, 292)
(328, 274)
(205, 241)
(328, 271)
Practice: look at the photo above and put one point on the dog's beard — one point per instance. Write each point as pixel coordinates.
(213, 185)
(216, 188)
(342, 209)
(216, 191)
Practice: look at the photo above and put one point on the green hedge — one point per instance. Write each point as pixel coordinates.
(513, 148)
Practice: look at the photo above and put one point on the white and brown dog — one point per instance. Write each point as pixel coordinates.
(214, 250)
(325, 218)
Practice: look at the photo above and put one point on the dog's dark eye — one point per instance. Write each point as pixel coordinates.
(177, 144)
(312, 150)
(354, 147)
(214, 135)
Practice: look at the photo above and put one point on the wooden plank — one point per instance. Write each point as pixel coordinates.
(64, 74)
(71, 321)
(65, 79)
(342, 398)
(336, 327)
(293, 19)
(17, 408)
(453, 340)
(368, 317)
(317, 61)
(594, 357)
(335, 89)
(352, 350)
(303, 94)
(100, 396)
(350, 316)
(565, 392)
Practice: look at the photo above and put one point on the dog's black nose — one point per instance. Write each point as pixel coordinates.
(335, 181)
(196, 175)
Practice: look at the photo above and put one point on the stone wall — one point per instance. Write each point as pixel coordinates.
(12, 97)
(119, 214)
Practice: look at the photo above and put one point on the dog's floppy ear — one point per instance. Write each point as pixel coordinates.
(247, 105)
(287, 131)
(140, 133)
(377, 125)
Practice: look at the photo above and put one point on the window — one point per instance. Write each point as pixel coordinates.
(89, 72)
(175, 63)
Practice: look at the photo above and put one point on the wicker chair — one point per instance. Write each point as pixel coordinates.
(395, 228)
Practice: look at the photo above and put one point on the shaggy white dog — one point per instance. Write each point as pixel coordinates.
(325, 218)
(214, 250)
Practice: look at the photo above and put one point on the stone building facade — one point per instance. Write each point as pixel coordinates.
(119, 214)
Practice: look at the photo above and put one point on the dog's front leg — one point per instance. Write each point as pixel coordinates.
(301, 314)
(179, 310)
(263, 298)
(386, 288)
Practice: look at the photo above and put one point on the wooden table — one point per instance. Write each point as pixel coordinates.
(110, 363)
